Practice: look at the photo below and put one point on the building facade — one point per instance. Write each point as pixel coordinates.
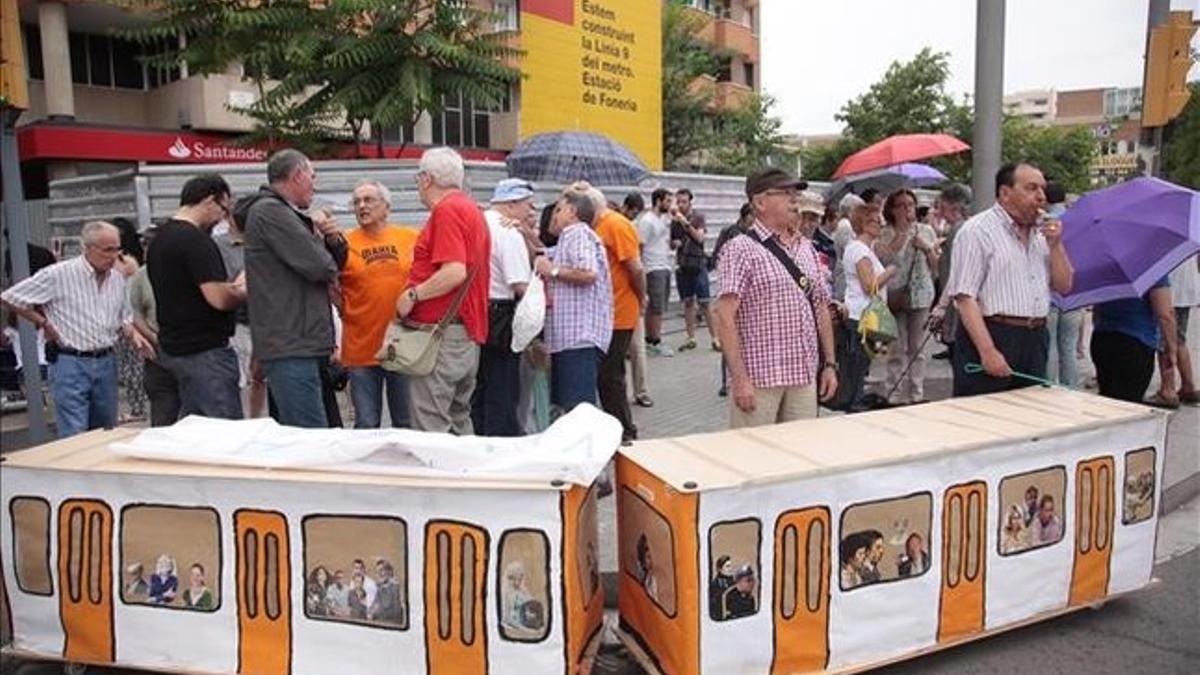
(95, 107)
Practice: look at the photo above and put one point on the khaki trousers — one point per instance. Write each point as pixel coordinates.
(774, 405)
(441, 401)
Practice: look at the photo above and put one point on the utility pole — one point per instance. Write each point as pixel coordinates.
(989, 100)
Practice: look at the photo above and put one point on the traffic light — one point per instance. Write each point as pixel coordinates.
(1168, 59)
(14, 92)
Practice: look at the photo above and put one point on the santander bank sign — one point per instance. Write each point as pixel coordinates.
(206, 150)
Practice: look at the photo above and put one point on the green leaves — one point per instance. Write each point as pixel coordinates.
(323, 69)
(1181, 156)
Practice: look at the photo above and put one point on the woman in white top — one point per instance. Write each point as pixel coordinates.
(862, 273)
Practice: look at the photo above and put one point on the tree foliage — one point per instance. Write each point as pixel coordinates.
(1181, 155)
(327, 69)
(698, 135)
(911, 97)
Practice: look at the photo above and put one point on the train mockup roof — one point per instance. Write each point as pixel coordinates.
(832, 444)
(91, 452)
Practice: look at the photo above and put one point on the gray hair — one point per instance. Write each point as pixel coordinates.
(849, 203)
(444, 166)
(384, 193)
(585, 209)
(284, 163)
(599, 201)
(91, 231)
(957, 193)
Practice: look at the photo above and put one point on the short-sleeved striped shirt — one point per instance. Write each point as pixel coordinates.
(776, 327)
(87, 309)
(991, 264)
(579, 316)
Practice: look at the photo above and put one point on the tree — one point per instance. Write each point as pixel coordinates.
(911, 98)
(697, 134)
(1181, 154)
(327, 69)
(1063, 154)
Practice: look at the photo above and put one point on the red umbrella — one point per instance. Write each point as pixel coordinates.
(899, 149)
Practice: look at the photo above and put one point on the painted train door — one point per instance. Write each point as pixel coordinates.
(801, 593)
(85, 573)
(456, 564)
(263, 593)
(964, 561)
(1094, 510)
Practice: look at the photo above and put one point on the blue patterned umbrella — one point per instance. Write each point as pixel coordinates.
(564, 156)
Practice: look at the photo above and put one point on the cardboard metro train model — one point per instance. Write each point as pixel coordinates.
(832, 544)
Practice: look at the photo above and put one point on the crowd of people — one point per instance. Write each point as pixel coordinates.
(265, 304)
(360, 596)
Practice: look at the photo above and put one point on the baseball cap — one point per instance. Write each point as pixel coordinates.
(512, 190)
(811, 202)
(772, 179)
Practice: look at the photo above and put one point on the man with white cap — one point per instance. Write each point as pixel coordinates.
(498, 383)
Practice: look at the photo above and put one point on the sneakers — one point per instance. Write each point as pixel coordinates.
(689, 344)
(659, 350)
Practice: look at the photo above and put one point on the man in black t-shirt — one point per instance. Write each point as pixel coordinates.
(195, 302)
(691, 277)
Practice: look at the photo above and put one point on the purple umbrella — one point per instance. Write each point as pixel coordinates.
(885, 180)
(1123, 239)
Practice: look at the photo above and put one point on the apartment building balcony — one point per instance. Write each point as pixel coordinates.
(725, 95)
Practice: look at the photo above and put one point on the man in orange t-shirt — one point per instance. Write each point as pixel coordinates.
(622, 247)
(375, 274)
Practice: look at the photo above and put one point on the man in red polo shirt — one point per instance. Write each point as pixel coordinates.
(453, 249)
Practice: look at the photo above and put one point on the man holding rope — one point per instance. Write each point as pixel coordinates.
(1004, 262)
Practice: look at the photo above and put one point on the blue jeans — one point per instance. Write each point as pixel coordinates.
(85, 393)
(366, 392)
(497, 390)
(295, 386)
(1064, 332)
(573, 377)
(208, 382)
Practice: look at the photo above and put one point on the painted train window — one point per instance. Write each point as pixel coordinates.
(31, 544)
(733, 569)
(524, 585)
(356, 570)
(587, 559)
(1139, 486)
(648, 550)
(171, 557)
(1031, 510)
(885, 540)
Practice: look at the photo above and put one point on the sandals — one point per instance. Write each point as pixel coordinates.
(1189, 398)
(1158, 401)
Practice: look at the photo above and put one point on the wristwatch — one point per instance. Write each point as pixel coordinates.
(831, 364)
(554, 272)
(412, 294)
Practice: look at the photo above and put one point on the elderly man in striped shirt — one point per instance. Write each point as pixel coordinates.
(1004, 263)
(82, 307)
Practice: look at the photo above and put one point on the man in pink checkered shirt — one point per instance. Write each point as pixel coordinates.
(773, 328)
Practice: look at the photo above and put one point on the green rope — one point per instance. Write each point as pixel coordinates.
(975, 369)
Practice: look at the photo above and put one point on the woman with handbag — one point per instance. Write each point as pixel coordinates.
(864, 277)
(913, 248)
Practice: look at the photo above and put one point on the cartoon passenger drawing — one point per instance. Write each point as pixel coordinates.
(915, 559)
(738, 600)
(164, 583)
(514, 595)
(722, 580)
(136, 586)
(198, 595)
(1015, 536)
(646, 572)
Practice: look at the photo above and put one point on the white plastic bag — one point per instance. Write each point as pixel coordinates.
(530, 314)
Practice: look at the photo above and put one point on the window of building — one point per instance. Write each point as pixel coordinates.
(105, 61)
(734, 587)
(171, 557)
(356, 570)
(885, 540)
(31, 544)
(1031, 510)
(33, 51)
(507, 15)
(1139, 486)
(523, 585)
(462, 124)
(748, 74)
(648, 553)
